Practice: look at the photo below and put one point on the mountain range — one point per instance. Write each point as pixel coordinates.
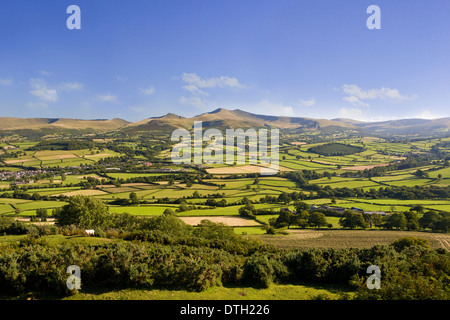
(223, 118)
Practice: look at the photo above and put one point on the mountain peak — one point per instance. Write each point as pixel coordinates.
(218, 110)
(169, 115)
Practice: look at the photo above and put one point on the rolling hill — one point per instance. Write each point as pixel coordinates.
(10, 124)
(224, 118)
(408, 126)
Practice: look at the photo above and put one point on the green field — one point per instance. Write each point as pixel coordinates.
(275, 292)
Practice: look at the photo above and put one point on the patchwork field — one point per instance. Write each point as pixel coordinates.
(347, 238)
(230, 221)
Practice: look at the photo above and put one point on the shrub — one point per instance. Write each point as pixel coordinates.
(260, 270)
(404, 242)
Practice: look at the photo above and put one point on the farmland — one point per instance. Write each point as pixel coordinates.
(67, 173)
(135, 180)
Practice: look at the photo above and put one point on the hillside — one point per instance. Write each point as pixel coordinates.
(408, 126)
(8, 123)
(224, 118)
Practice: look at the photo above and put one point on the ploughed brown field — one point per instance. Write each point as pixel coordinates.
(304, 238)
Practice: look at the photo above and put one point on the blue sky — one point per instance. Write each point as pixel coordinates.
(144, 58)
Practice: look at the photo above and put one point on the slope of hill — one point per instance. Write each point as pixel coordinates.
(223, 118)
(8, 124)
(407, 126)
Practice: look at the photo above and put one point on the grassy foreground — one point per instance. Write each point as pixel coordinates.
(274, 292)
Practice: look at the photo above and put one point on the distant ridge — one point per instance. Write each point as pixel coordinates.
(223, 118)
(8, 123)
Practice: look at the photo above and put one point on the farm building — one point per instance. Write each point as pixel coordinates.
(376, 212)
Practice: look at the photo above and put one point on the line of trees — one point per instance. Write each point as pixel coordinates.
(165, 252)
(302, 217)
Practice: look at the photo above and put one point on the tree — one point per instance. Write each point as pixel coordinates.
(168, 211)
(42, 214)
(286, 218)
(429, 219)
(301, 219)
(374, 220)
(443, 224)
(317, 219)
(418, 208)
(421, 174)
(248, 210)
(301, 206)
(183, 207)
(83, 212)
(352, 220)
(133, 197)
(412, 219)
(284, 197)
(395, 221)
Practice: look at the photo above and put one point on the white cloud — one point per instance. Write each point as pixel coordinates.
(69, 86)
(107, 97)
(148, 91)
(121, 79)
(194, 101)
(273, 108)
(5, 82)
(355, 101)
(352, 113)
(194, 89)
(427, 114)
(194, 83)
(355, 94)
(45, 73)
(307, 103)
(221, 82)
(42, 91)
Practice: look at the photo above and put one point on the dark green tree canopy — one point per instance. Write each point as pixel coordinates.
(84, 212)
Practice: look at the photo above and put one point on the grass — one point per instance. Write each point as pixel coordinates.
(141, 210)
(398, 202)
(249, 230)
(133, 175)
(40, 204)
(274, 292)
(56, 239)
(5, 208)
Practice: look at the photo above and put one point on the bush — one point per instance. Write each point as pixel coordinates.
(415, 273)
(260, 270)
(404, 242)
(17, 227)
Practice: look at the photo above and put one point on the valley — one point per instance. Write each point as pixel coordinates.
(398, 185)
